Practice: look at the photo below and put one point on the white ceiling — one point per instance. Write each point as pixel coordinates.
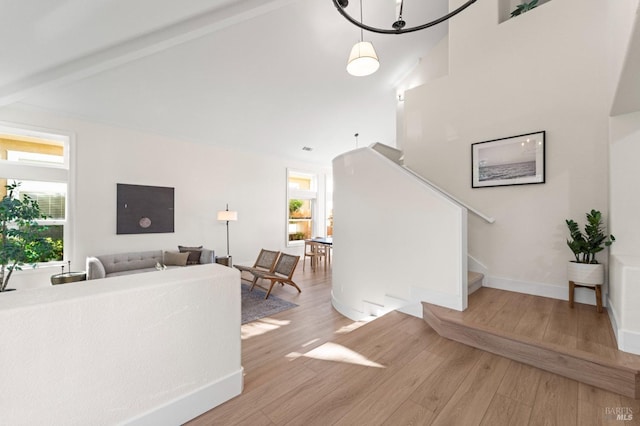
(266, 75)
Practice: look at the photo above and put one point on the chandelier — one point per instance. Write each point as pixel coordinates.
(397, 27)
(363, 59)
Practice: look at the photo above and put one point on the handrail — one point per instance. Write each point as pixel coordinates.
(488, 219)
(395, 155)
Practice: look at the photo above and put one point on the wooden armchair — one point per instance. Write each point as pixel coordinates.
(266, 262)
(282, 273)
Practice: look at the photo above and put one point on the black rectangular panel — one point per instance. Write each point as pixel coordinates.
(144, 209)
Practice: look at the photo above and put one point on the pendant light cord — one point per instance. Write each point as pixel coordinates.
(361, 21)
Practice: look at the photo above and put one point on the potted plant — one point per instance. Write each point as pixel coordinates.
(585, 269)
(21, 237)
(524, 7)
(294, 206)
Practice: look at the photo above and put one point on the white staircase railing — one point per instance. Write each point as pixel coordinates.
(396, 156)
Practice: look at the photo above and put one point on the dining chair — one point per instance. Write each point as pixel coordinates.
(316, 252)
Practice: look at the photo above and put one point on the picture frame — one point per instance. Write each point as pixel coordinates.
(143, 209)
(515, 160)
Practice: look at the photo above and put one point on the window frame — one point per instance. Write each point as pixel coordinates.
(302, 194)
(60, 173)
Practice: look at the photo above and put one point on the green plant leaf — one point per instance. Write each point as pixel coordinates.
(585, 245)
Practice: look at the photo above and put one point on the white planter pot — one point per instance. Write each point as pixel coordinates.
(586, 273)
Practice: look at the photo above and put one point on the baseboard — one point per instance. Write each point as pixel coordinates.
(193, 404)
(582, 295)
(628, 341)
(613, 318)
(451, 301)
(404, 306)
(414, 309)
(347, 311)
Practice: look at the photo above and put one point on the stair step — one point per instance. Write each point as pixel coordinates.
(474, 281)
(620, 374)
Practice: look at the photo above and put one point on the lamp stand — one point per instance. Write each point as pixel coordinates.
(227, 237)
(227, 216)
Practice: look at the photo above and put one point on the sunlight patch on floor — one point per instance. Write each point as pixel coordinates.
(310, 342)
(334, 352)
(261, 326)
(353, 326)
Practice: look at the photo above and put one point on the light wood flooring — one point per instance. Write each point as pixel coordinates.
(312, 366)
(576, 343)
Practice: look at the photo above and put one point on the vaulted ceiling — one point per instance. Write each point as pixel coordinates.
(266, 75)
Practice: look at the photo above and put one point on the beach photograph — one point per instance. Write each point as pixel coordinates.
(509, 161)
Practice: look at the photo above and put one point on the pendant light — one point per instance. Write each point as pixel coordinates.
(363, 59)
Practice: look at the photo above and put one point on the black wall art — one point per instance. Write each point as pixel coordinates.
(144, 209)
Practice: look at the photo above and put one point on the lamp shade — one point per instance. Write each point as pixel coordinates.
(227, 216)
(362, 60)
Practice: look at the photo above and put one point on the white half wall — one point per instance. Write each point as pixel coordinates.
(624, 284)
(141, 349)
(623, 300)
(397, 241)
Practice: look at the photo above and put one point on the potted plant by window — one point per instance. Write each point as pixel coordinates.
(21, 237)
(585, 269)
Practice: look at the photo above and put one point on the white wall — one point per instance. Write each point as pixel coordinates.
(205, 178)
(548, 69)
(140, 349)
(624, 285)
(397, 241)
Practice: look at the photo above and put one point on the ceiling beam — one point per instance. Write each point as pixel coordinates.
(136, 48)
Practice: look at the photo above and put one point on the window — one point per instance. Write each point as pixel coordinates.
(302, 197)
(39, 162)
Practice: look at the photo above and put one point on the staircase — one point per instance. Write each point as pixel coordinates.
(474, 281)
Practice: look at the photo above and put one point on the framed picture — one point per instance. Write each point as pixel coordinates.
(517, 160)
(144, 209)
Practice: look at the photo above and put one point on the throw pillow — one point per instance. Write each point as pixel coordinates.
(177, 259)
(194, 254)
(207, 256)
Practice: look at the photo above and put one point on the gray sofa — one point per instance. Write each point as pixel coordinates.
(112, 265)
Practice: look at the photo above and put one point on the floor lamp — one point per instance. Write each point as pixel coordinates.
(228, 216)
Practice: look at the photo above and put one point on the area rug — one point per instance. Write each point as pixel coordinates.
(254, 305)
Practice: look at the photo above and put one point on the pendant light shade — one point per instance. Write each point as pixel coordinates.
(362, 60)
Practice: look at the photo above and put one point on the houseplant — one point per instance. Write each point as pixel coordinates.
(21, 237)
(524, 7)
(585, 269)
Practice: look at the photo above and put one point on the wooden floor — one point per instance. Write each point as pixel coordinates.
(546, 333)
(311, 366)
